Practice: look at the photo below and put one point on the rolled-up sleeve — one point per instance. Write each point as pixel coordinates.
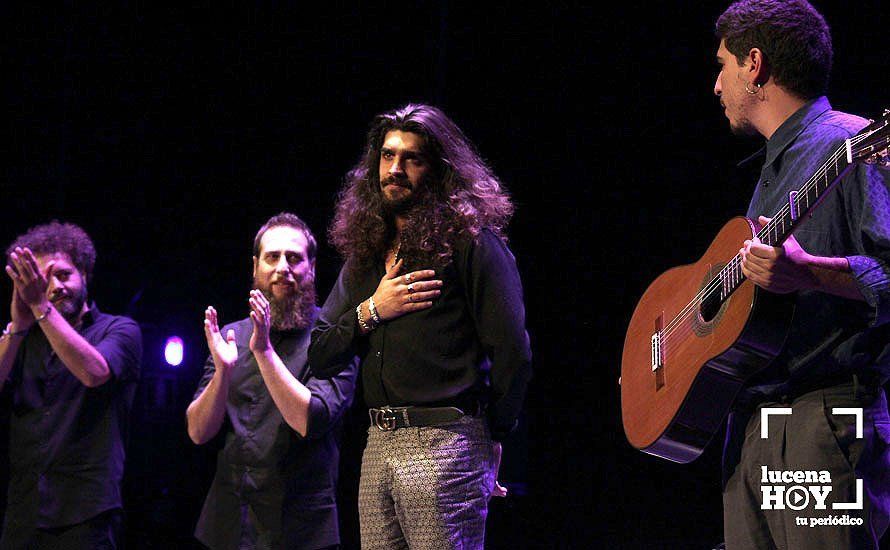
(333, 346)
(330, 400)
(121, 347)
(496, 303)
(870, 206)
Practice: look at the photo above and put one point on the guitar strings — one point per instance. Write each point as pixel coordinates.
(736, 260)
(733, 264)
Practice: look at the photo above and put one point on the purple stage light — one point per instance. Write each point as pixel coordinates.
(174, 349)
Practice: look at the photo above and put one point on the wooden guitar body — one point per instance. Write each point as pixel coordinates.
(676, 393)
(701, 330)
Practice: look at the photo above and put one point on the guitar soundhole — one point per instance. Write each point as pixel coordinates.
(711, 308)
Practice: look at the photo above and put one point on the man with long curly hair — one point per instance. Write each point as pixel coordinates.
(73, 372)
(430, 301)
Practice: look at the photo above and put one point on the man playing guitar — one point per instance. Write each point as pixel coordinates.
(775, 59)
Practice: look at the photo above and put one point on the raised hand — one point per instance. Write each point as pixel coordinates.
(20, 313)
(261, 315)
(29, 281)
(397, 294)
(223, 350)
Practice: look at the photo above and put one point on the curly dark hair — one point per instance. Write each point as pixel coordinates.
(289, 220)
(793, 36)
(55, 237)
(461, 195)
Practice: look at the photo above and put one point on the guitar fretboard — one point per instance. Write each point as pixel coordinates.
(783, 223)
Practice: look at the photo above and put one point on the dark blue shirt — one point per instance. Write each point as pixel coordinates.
(67, 440)
(830, 336)
(288, 481)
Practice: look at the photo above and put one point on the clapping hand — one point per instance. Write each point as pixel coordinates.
(223, 350)
(261, 315)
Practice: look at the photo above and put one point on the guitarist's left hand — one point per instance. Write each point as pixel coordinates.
(779, 269)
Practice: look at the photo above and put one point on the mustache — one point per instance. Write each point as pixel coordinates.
(392, 180)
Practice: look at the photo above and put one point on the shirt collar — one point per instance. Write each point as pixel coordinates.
(90, 316)
(793, 126)
(789, 130)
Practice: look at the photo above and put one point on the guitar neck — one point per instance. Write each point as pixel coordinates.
(804, 200)
(799, 205)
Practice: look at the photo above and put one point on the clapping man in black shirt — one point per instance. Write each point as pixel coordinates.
(430, 301)
(276, 477)
(73, 373)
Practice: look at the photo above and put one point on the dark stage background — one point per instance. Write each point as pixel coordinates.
(171, 135)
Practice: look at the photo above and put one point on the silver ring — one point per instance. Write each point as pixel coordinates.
(407, 277)
(410, 288)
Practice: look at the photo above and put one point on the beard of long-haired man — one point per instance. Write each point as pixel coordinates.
(406, 202)
(295, 309)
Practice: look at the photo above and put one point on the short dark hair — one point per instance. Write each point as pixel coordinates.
(288, 220)
(55, 236)
(793, 36)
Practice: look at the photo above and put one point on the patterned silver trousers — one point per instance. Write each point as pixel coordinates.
(426, 487)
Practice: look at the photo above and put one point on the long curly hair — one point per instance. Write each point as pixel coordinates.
(460, 197)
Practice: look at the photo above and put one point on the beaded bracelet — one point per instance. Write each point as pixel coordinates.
(8, 332)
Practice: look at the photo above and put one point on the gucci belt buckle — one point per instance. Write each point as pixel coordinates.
(384, 419)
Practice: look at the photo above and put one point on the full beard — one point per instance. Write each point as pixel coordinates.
(296, 310)
(402, 204)
(71, 306)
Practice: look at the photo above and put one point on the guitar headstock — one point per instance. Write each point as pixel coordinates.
(872, 144)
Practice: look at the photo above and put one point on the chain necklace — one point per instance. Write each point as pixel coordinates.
(395, 258)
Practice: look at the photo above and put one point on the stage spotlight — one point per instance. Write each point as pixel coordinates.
(174, 350)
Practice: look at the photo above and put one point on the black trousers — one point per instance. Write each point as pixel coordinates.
(771, 497)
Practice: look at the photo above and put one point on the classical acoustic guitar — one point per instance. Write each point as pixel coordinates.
(701, 330)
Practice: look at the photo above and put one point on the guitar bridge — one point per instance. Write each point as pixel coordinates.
(657, 358)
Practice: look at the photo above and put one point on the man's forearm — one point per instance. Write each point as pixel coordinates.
(290, 396)
(9, 348)
(205, 414)
(833, 276)
(78, 356)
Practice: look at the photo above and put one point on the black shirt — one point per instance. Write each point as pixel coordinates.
(67, 440)
(289, 481)
(470, 345)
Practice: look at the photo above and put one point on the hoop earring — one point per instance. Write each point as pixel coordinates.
(755, 92)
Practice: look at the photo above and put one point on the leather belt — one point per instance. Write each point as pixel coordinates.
(388, 419)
